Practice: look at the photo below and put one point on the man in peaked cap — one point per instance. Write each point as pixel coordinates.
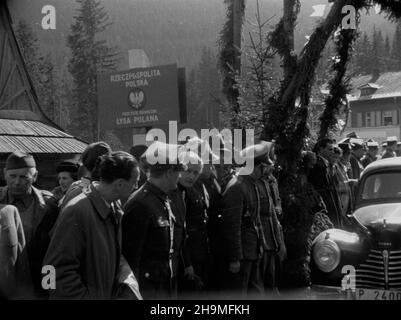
(356, 155)
(250, 227)
(371, 155)
(391, 147)
(38, 211)
(150, 224)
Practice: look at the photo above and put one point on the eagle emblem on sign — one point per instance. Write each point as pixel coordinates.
(137, 98)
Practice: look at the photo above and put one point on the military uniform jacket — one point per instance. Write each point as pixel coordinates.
(388, 154)
(356, 167)
(146, 234)
(323, 182)
(367, 159)
(197, 244)
(249, 224)
(45, 213)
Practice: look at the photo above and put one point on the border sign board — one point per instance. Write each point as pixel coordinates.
(138, 97)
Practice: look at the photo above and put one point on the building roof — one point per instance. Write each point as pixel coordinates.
(23, 124)
(36, 137)
(387, 84)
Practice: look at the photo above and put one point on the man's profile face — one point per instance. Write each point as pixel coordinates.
(373, 151)
(327, 151)
(172, 176)
(19, 181)
(65, 180)
(128, 186)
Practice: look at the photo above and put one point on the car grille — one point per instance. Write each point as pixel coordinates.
(381, 270)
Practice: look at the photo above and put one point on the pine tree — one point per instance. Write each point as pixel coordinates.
(376, 54)
(204, 91)
(395, 53)
(90, 56)
(386, 55)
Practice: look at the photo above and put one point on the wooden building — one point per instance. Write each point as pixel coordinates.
(375, 103)
(23, 124)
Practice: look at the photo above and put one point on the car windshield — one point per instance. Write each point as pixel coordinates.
(384, 185)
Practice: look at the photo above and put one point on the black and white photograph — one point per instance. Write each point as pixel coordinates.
(218, 152)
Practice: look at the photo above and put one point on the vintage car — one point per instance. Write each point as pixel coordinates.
(366, 259)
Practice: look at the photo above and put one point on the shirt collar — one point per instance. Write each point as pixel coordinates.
(156, 190)
(101, 205)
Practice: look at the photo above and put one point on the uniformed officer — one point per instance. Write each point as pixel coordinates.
(356, 155)
(38, 211)
(196, 251)
(149, 224)
(371, 155)
(246, 224)
(391, 147)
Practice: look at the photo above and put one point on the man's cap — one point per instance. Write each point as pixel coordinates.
(258, 152)
(384, 144)
(20, 159)
(399, 143)
(202, 149)
(162, 156)
(353, 135)
(356, 142)
(372, 144)
(392, 139)
(67, 166)
(93, 152)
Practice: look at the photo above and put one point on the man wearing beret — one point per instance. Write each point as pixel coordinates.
(249, 224)
(149, 224)
(38, 211)
(356, 155)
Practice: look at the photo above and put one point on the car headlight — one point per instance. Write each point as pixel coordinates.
(326, 255)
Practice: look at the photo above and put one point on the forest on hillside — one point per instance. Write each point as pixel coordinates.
(185, 32)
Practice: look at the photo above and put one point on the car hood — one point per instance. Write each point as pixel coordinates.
(388, 213)
(384, 223)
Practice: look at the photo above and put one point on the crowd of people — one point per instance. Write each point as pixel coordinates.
(121, 227)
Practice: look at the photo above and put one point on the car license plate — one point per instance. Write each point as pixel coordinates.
(372, 294)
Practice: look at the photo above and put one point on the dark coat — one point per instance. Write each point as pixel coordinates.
(85, 249)
(356, 167)
(239, 223)
(46, 213)
(146, 239)
(388, 154)
(322, 180)
(12, 244)
(367, 159)
(196, 248)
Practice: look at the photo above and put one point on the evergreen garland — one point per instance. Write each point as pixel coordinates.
(339, 84)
